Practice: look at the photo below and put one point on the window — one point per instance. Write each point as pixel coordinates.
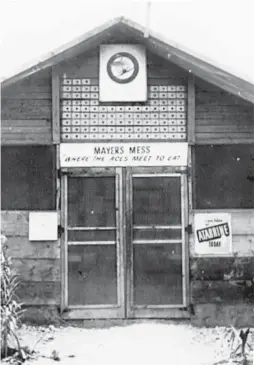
(224, 177)
(28, 177)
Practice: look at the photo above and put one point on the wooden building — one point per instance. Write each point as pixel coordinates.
(128, 181)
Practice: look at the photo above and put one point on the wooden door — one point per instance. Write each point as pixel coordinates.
(155, 244)
(92, 246)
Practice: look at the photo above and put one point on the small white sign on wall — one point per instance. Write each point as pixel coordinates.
(213, 234)
(43, 226)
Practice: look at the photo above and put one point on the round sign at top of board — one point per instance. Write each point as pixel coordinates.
(122, 67)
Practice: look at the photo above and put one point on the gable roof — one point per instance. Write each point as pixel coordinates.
(154, 43)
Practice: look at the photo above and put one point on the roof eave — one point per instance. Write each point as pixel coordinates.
(65, 51)
(190, 63)
(155, 43)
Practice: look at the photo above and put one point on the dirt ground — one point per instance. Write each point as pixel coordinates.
(148, 343)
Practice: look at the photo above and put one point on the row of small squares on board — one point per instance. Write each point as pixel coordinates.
(123, 136)
(95, 95)
(80, 105)
(87, 83)
(75, 89)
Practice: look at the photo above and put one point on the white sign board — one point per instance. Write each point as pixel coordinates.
(43, 226)
(123, 154)
(213, 233)
(123, 75)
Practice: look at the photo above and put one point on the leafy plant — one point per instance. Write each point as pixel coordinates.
(55, 355)
(11, 310)
(238, 341)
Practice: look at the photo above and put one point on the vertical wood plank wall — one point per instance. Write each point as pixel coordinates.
(26, 116)
(220, 118)
(191, 110)
(30, 118)
(38, 263)
(27, 120)
(222, 288)
(55, 106)
(214, 278)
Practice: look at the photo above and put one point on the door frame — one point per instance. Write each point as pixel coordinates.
(156, 311)
(93, 311)
(124, 308)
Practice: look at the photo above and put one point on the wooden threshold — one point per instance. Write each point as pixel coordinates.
(107, 314)
(97, 313)
(174, 313)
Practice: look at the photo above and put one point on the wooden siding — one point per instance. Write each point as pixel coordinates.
(39, 293)
(222, 117)
(38, 263)
(221, 314)
(222, 268)
(122, 30)
(159, 71)
(27, 105)
(26, 111)
(226, 279)
(220, 291)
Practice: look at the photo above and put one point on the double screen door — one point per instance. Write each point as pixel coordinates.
(123, 246)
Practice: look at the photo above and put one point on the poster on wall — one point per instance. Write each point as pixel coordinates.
(213, 234)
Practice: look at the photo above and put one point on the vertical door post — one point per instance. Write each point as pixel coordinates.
(63, 240)
(120, 240)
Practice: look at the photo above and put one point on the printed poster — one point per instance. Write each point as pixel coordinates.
(213, 233)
